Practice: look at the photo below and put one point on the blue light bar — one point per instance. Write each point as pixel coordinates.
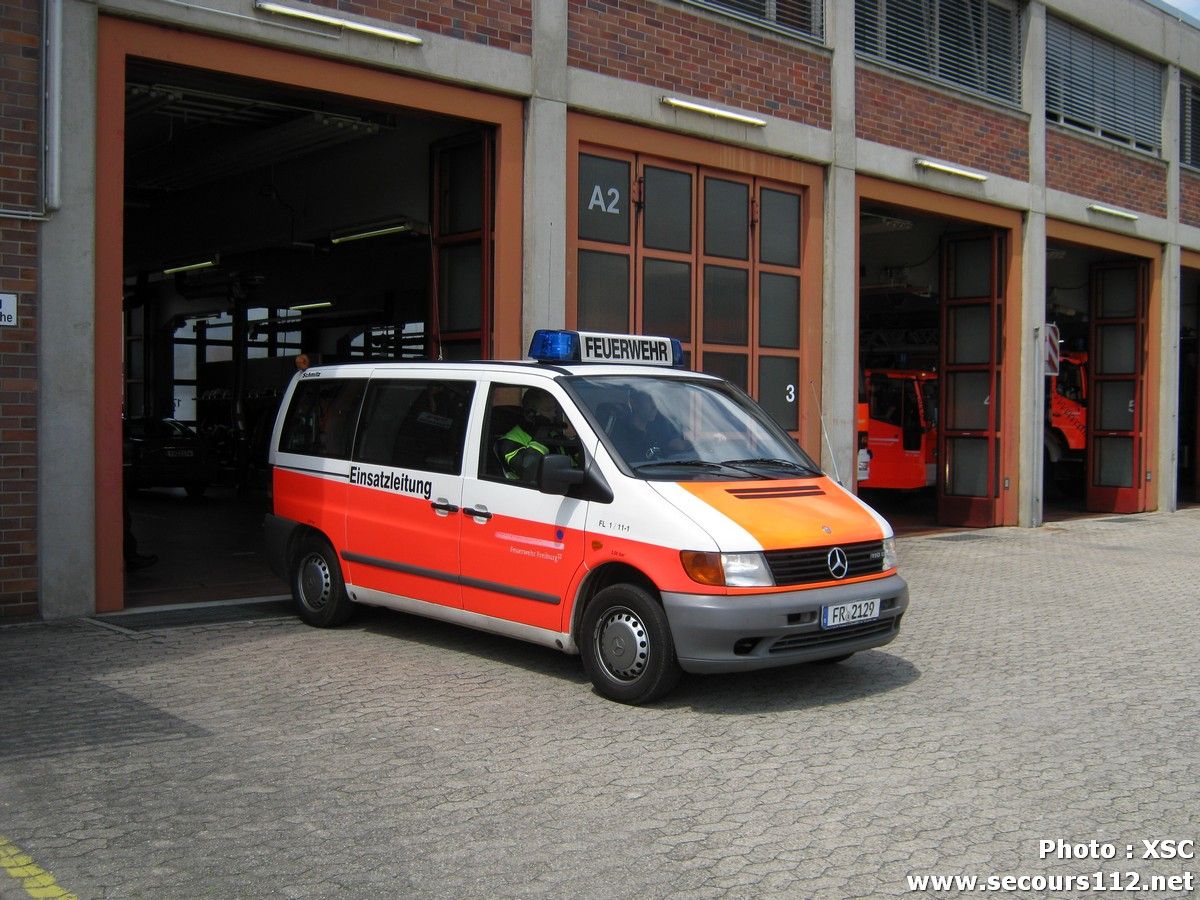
(555, 346)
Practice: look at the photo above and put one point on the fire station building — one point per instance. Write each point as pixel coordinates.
(813, 196)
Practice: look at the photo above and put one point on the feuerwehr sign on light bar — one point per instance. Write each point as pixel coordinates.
(610, 348)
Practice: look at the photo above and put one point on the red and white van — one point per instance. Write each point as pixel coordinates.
(598, 499)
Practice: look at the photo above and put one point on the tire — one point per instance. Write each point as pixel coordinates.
(626, 645)
(317, 584)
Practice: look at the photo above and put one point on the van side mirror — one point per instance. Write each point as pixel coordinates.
(557, 475)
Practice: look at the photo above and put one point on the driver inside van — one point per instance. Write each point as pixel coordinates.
(643, 433)
(543, 430)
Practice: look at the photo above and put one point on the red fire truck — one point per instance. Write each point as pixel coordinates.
(902, 415)
(901, 446)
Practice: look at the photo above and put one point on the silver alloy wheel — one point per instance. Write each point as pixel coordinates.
(622, 644)
(314, 582)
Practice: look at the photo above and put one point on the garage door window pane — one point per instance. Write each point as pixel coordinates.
(1116, 405)
(667, 214)
(1116, 349)
(779, 311)
(971, 332)
(1114, 462)
(967, 396)
(973, 268)
(777, 378)
(968, 467)
(1118, 293)
(462, 206)
(726, 305)
(461, 284)
(603, 199)
(780, 228)
(667, 308)
(726, 218)
(603, 291)
(730, 366)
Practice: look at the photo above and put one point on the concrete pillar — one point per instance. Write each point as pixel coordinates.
(1033, 276)
(1165, 468)
(66, 344)
(839, 377)
(545, 208)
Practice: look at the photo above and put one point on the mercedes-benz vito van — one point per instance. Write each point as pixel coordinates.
(597, 499)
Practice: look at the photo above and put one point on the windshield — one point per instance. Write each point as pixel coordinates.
(677, 429)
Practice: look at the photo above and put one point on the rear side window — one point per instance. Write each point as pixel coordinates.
(321, 419)
(415, 425)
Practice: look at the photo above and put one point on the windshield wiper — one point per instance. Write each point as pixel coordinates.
(684, 463)
(773, 463)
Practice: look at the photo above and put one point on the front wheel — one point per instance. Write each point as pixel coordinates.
(317, 585)
(626, 645)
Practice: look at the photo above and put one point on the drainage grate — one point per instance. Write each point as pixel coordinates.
(215, 614)
(961, 536)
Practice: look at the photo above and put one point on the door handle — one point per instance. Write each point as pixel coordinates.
(477, 512)
(442, 506)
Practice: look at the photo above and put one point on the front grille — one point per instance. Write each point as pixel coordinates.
(811, 640)
(812, 564)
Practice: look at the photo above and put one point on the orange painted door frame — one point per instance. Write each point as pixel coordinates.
(118, 41)
(1151, 318)
(1009, 321)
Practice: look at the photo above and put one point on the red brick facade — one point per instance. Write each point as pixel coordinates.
(504, 24)
(733, 65)
(1189, 198)
(20, 110)
(915, 116)
(20, 139)
(1085, 166)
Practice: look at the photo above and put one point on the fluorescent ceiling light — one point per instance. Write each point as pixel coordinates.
(375, 232)
(336, 22)
(191, 267)
(950, 170)
(323, 304)
(1109, 211)
(713, 111)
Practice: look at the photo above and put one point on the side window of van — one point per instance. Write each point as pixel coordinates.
(415, 424)
(522, 426)
(322, 417)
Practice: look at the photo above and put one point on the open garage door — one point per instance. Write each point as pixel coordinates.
(1116, 386)
(971, 351)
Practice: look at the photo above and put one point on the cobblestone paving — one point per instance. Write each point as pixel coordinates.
(1045, 686)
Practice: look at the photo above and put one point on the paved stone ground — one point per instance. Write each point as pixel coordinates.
(1044, 687)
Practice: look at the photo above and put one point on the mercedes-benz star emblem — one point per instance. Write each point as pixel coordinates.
(837, 562)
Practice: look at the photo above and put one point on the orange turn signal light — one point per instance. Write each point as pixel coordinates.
(703, 567)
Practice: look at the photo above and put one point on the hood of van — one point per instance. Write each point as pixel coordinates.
(780, 515)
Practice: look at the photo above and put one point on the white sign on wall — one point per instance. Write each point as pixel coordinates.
(8, 309)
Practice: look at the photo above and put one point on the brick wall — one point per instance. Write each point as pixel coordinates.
(727, 63)
(1189, 198)
(20, 138)
(505, 24)
(20, 106)
(1089, 168)
(915, 116)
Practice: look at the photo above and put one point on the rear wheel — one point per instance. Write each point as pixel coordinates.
(626, 645)
(317, 585)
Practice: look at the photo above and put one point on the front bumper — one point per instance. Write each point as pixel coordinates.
(760, 631)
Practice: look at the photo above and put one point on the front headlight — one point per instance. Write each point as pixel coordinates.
(727, 569)
(890, 559)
